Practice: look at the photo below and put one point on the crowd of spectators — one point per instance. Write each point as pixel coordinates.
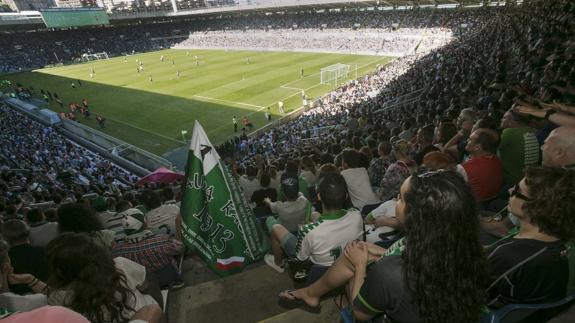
(52, 158)
(466, 153)
(24, 51)
(494, 112)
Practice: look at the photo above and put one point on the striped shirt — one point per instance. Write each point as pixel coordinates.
(153, 253)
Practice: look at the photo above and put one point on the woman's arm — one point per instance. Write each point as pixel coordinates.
(35, 284)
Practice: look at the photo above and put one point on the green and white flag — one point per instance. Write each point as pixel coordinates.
(217, 222)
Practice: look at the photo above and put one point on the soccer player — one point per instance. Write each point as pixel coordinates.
(281, 107)
(150, 78)
(162, 58)
(268, 115)
(178, 74)
(91, 75)
(301, 72)
(235, 122)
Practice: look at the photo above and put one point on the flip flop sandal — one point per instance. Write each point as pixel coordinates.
(290, 304)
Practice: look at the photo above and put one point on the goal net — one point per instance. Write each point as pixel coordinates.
(334, 73)
(86, 57)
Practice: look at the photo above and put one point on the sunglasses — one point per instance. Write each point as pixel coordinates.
(517, 193)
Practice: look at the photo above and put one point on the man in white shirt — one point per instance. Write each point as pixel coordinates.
(357, 180)
(249, 182)
(161, 218)
(292, 212)
(321, 241)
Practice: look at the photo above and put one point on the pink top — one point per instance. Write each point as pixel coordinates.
(47, 314)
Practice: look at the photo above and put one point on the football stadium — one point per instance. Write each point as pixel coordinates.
(287, 161)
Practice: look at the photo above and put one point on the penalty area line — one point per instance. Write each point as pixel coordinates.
(231, 102)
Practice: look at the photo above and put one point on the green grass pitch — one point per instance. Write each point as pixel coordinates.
(220, 85)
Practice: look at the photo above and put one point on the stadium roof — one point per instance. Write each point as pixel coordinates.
(28, 18)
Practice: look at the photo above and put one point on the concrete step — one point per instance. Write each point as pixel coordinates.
(250, 296)
(329, 313)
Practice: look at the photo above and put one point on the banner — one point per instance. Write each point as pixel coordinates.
(217, 222)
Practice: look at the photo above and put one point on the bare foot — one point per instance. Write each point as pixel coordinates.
(300, 294)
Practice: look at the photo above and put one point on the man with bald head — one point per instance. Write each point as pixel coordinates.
(558, 151)
(559, 148)
(484, 169)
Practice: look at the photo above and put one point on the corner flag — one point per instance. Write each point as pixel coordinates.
(217, 222)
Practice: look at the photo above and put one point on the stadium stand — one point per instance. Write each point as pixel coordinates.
(491, 226)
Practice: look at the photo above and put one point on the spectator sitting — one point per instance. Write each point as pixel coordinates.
(308, 171)
(378, 165)
(445, 131)
(456, 145)
(168, 197)
(24, 257)
(398, 171)
(424, 143)
(530, 266)
(518, 147)
(323, 240)
(100, 205)
(85, 278)
(558, 151)
(78, 218)
(292, 170)
(483, 168)
(9, 301)
(249, 182)
(357, 180)
(41, 231)
(292, 213)
(424, 277)
(156, 252)
(265, 192)
(160, 218)
(114, 223)
(59, 314)
(559, 148)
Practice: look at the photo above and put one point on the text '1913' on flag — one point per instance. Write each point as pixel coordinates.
(217, 221)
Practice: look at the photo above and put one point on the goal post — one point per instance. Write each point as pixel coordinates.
(87, 57)
(334, 73)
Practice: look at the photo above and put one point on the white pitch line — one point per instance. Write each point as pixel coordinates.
(232, 102)
(287, 97)
(148, 131)
(311, 87)
(290, 88)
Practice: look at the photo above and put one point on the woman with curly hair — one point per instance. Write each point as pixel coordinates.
(85, 278)
(435, 274)
(530, 266)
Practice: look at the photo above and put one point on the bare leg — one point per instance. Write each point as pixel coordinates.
(278, 233)
(337, 275)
